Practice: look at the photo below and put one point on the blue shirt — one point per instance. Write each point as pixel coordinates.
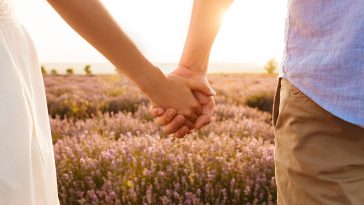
(324, 54)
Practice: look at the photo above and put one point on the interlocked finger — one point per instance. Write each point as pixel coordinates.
(189, 124)
(183, 131)
(166, 117)
(174, 125)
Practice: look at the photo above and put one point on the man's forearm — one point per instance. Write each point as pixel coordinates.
(92, 21)
(204, 26)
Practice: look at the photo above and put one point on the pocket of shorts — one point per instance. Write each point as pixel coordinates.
(276, 102)
(297, 94)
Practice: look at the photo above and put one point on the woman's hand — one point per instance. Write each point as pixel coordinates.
(207, 101)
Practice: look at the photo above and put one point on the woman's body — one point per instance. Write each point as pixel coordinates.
(27, 166)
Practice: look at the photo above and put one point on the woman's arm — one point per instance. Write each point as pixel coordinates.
(94, 23)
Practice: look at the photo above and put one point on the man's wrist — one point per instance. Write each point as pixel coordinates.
(189, 72)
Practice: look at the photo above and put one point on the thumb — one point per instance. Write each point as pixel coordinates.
(201, 87)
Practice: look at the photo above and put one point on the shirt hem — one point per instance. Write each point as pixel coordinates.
(325, 106)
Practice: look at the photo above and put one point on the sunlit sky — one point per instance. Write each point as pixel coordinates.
(252, 32)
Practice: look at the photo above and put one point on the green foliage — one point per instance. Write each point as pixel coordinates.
(72, 107)
(70, 71)
(271, 66)
(88, 70)
(43, 69)
(262, 101)
(54, 71)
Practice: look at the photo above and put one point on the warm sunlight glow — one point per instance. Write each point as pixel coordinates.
(252, 31)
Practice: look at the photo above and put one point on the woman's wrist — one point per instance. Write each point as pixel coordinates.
(151, 80)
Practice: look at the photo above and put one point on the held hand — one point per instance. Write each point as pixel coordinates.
(208, 105)
(175, 93)
(207, 102)
(172, 123)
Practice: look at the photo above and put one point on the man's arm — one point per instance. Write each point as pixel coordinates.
(204, 25)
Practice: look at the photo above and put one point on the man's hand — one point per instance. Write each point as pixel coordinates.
(170, 121)
(208, 105)
(204, 25)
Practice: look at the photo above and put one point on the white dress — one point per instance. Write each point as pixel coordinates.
(27, 165)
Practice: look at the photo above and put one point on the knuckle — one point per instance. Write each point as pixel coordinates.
(170, 114)
(161, 121)
(164, 121)
(176, 122)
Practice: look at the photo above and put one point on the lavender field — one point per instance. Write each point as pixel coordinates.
(109, 151)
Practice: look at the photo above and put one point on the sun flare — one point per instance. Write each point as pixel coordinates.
(252, 31)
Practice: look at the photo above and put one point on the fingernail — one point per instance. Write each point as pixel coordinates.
(213, 92)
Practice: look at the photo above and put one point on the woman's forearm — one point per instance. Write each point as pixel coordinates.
(204, 26)
(94, 23)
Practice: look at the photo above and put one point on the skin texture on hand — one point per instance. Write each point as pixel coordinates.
(207, 102)
(172, 125)
(208, 105)
(172, 93)
(204, 25)
(173, 122)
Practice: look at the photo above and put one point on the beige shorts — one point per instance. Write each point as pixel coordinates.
(319, 158)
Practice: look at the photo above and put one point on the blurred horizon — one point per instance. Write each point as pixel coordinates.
(108, 68)
(252, 32)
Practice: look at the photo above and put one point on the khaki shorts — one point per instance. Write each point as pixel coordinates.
(319, 158)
